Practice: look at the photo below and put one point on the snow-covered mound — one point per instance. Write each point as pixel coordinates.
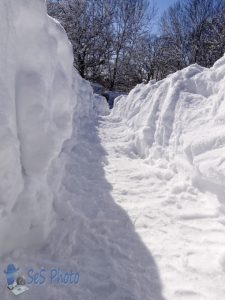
(38, 91)
(172, 148)
(100, 105)
(181, 118)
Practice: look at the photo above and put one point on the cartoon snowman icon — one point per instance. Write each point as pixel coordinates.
(11, 274)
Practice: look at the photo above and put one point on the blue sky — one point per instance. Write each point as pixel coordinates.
(161, 5)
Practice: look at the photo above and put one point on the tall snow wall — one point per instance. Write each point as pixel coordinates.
(38, 91)
(181, 120)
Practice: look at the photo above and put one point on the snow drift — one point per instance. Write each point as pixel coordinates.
(181, 119)
(38, 91)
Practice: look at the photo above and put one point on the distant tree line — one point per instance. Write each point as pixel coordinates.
(114, 46)
(192, 31)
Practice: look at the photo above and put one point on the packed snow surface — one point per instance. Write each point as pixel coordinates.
(134, 200)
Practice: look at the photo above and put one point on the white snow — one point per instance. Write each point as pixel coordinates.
(173, 136)
(36, 117)
(134, 200)
(180, 118)
(101, 106)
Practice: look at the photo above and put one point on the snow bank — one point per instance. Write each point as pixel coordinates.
(38, 91)
(100, 105)
(182, 119)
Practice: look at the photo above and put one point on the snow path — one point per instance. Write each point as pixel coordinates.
(181, 226)
(93, 235)
(134, 230)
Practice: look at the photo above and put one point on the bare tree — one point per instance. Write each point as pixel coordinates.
(88, 24)
(193, 32)
(174, 31)
(198, 15)
(113, 45)
(103, 33)
(131, 18)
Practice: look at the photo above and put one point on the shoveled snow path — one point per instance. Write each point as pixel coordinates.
(132, 228)
(92, 235)
(182, 227)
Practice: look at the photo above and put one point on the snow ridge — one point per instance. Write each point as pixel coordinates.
(180, 115)
(172, 135)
